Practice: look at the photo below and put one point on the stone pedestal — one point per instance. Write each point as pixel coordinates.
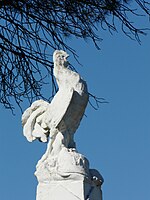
(68, 190)
(67, 176)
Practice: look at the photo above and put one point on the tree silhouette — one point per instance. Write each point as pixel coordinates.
(31, 30)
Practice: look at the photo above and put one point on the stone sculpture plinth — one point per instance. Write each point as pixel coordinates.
(62, 172)
(68, 177)
(68, 190)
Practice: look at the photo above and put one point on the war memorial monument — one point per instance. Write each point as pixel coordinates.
(62, 173)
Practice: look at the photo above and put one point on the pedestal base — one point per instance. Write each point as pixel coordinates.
(67, 176)
(68, 190)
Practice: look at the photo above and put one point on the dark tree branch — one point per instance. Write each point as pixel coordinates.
(31, 30)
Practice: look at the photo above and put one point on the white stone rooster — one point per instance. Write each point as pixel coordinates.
(59, 119)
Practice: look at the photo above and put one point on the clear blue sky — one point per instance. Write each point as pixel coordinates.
(115, 138)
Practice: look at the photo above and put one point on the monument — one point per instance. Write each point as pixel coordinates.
(62, 172)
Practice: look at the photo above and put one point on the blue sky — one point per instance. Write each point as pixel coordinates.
(115, 138)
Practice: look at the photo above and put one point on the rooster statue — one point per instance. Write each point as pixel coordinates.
(58, 120)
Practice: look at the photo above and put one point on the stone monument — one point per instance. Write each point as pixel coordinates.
(62, 172)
